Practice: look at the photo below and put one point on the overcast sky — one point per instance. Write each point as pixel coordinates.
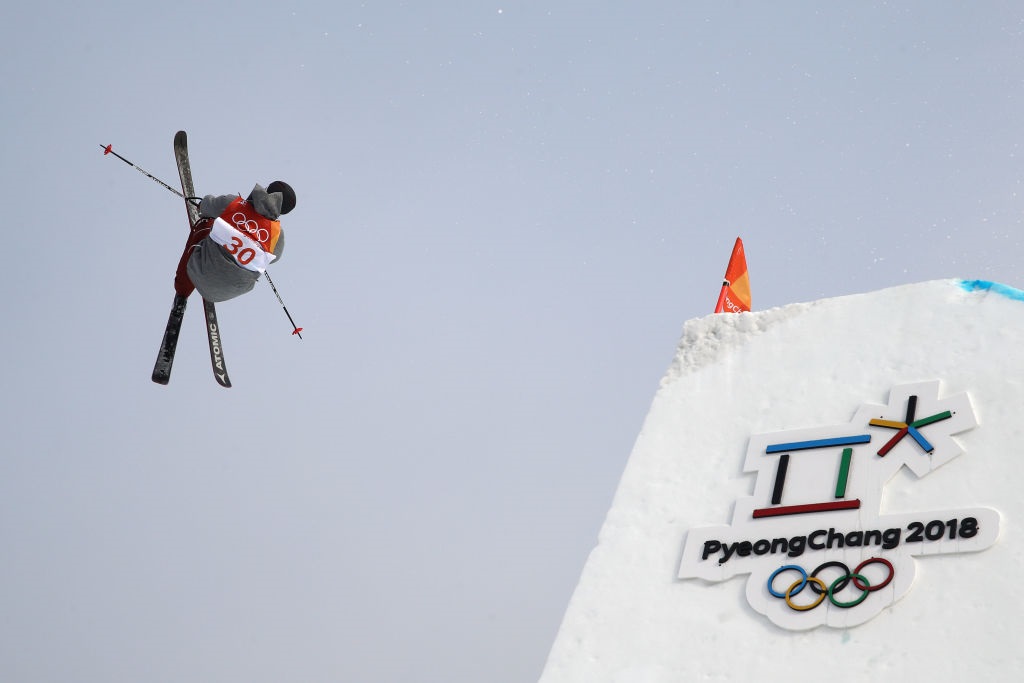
(506, 211)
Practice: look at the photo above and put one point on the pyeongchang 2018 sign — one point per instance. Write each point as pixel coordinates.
(812, 538)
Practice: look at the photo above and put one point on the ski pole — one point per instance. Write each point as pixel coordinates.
(109, 150)
(296, 329)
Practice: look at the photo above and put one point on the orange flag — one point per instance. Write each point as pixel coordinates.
(735, 295)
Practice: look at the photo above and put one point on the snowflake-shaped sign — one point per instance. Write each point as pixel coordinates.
(812, 537)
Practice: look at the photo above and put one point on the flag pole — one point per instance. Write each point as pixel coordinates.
(720, 306)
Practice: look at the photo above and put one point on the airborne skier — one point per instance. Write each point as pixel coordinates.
(233, 242)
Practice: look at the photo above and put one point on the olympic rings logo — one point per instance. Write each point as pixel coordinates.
(245, 224)
(819, 588)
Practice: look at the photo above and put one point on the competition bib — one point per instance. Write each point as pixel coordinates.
(245, 250)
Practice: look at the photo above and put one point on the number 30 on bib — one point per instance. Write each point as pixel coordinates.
(246, 251)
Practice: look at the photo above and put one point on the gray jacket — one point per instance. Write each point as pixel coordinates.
(212, 270)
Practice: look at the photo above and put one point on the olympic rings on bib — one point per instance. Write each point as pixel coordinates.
(247, 225)
(822, 589)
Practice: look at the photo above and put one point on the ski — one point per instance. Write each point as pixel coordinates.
(220, 371)
(165, 358)
(185, 173)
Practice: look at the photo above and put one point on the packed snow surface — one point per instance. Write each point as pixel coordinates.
(734, 377)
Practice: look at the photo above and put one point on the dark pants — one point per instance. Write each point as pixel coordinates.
(182, 283)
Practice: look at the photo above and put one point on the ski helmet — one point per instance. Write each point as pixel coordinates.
(286, 191)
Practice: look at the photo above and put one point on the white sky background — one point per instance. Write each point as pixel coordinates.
(505, 213)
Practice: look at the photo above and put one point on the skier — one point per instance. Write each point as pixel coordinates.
(233, 242)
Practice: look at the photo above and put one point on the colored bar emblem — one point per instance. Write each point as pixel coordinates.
(784, 449)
